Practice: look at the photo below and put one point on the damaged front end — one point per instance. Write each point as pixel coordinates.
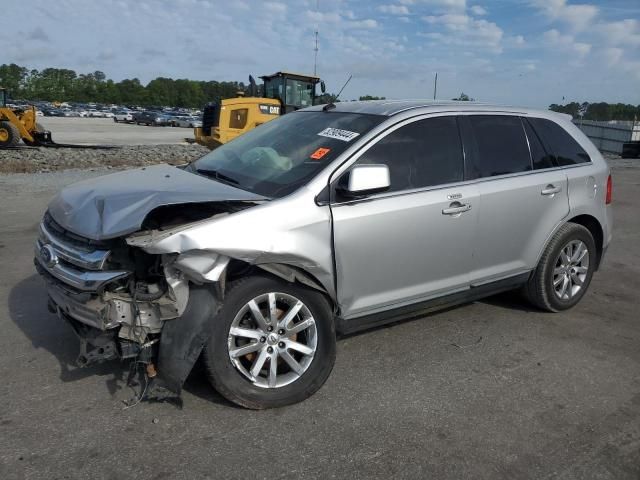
(116, 298)
(145, 283)
(120, 300)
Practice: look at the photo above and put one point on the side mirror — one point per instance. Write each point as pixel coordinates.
(323, 88)
(365, 180)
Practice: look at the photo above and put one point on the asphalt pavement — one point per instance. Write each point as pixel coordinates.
(489, 390)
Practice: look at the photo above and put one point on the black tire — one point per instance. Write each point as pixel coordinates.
(9, 135)
(236, 387)
(540, 290)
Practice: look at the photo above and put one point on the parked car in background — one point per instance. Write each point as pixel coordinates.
(95, 113)
(123, 116)
(328, 219)
(155, 119)
(186, 121)
(52, 112)
(108, 114)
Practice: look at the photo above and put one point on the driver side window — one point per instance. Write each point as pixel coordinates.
(421, 154)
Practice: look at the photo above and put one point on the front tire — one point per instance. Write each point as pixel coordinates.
(272, 344)
(564, 271)
(9, 135)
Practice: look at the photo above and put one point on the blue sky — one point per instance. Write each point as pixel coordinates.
(527, 52)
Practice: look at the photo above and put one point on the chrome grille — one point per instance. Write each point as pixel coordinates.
(76, 262)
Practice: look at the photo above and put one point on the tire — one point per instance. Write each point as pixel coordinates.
(553, 267)
(225, 373)
(9, 134)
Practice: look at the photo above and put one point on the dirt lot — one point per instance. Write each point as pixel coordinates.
(105, 131)
(490, 390)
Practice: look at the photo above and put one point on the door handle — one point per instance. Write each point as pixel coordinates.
(550, 190)
(456, 208)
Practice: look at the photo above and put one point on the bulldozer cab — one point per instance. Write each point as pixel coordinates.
(294, 91)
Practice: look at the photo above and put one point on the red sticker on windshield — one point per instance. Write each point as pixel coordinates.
(319, 153)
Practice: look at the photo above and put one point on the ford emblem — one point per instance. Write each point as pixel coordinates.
(48, 256)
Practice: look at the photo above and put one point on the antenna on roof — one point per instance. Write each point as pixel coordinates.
(315, 50)
(331, 105)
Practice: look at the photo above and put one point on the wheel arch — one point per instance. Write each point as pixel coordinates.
(237, 268)
(595, 228)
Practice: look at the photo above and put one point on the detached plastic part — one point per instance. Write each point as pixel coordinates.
(183, 339)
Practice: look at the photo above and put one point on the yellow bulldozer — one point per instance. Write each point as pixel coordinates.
(281, 93)
(20, 124)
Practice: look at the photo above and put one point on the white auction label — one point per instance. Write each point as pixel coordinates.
(338, 134)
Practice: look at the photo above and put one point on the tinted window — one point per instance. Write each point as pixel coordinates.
(562, 145)
(501, 145)
(539, 156)
(421, 154)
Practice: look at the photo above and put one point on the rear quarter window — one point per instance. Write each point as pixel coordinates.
(501, 145)
(562, 146)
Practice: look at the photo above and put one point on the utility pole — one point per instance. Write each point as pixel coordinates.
(435, 86)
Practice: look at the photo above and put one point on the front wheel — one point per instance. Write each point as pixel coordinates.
(273, 343)
(565, 269)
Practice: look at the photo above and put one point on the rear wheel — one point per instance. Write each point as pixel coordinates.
(9, 134)
(273, 343)
(565, 269)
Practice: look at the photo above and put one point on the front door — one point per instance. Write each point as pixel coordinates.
(414, 241)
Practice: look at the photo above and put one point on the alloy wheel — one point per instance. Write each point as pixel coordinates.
(272, 340)
(571, 269)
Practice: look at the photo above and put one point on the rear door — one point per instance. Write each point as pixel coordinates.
(523, 196)
(415, 240)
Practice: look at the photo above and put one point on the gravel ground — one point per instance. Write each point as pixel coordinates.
(53, 159)
(490, 390)
(103, 131)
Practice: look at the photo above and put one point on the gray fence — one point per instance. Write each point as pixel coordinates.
(609, 136)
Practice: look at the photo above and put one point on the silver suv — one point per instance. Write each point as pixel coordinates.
(330, 219)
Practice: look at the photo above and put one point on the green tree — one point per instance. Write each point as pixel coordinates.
(463, 98)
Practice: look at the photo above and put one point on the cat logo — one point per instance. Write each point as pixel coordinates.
(269, 109)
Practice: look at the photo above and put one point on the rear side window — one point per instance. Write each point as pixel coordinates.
(501, 145)
(565, 149)
(541, 159)
(421, 154)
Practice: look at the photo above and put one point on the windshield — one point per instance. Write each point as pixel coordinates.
(278, 157)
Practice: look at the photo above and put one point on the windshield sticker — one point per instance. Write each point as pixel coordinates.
(319, 153)
(338, 134)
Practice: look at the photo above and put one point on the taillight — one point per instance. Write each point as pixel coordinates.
(608, 197)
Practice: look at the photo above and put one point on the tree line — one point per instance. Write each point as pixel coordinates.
(61, 84)
(601, 111)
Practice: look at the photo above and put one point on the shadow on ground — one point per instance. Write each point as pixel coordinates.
(28, 310)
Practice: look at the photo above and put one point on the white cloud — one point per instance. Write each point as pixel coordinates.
(275, 7)
(452, 21)
(567, 43)
(519, 40)
(577, 16)
(624, 32)
(394, 9)
(478, 10)
(367, 23)
(439, 6)
(611, 56)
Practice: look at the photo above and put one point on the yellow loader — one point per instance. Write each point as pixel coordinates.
(282, 92)
(20, 124)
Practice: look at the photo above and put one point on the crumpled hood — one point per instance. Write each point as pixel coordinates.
(114, 205)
